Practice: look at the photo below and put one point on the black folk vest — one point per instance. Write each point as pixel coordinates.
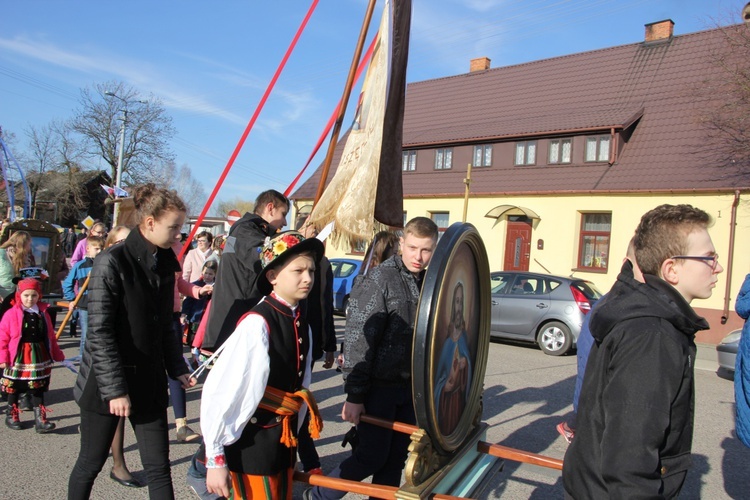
(259, 450)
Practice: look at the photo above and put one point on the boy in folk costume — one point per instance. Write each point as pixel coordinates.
(256, 389)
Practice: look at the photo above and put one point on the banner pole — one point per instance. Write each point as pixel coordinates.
(81, 291)
(344, 100)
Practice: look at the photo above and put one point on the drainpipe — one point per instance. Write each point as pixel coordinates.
(730, 258)
(613, 147)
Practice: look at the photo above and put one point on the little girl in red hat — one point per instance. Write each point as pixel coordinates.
(28, 347)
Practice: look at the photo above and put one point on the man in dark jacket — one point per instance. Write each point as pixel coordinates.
(318, 309)
(635, 414)
(378, 350)
(235, 292)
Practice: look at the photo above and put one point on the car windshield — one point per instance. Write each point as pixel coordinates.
(345, 269)
(500, 282)
(588, 289)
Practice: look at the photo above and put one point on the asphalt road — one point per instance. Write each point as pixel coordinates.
(526, 395)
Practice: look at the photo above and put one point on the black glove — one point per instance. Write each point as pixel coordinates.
(352, 438)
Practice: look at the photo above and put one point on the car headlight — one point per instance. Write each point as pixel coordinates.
(732, 337)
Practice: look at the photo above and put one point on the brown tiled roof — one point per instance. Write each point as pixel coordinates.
(601, 89)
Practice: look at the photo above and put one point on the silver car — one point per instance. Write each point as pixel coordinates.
(727, 350)
(541, 308)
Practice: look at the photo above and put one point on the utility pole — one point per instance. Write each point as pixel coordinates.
(120, 159)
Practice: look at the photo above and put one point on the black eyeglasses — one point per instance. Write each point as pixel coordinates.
(711, 260)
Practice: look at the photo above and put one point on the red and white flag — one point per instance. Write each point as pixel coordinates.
(114, 192)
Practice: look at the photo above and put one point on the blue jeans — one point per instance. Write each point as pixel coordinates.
(381, 453)
(176, 391)
(83, 322)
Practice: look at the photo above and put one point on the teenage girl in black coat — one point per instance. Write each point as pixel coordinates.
(130, 346)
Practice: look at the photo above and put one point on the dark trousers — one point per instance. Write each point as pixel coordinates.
(308, 455)
(97, 431)
(176, 391)
(381, 453)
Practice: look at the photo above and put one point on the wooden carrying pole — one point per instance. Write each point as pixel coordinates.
(495, 450)
(344, 100)
(369, 489)
(81, 291)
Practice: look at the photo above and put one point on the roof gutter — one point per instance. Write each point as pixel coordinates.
(730, 258)
(586, 192)
(549, 133)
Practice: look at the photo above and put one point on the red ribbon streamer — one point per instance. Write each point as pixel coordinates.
(249, 127)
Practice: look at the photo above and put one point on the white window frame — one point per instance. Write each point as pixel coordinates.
(482, 156)
(409, 160)
(525, 153)
(443, 159)
(436, 216)
(598, 148)
(556, 154)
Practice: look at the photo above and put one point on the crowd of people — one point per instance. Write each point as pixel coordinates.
(257, 310)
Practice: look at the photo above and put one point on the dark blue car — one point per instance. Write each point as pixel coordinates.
(344, 272)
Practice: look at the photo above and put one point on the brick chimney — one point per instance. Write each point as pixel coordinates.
(479, 64)
(660, 30)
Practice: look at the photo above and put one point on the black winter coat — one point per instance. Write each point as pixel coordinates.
(318, 309)
(130, 345)
(380, 329)
(634, 428)
(235, 291)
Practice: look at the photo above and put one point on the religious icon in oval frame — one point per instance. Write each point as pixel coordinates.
(451, 340)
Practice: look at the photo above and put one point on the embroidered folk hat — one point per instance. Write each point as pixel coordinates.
(280, 248)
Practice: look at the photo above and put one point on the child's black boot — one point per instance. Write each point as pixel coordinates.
(12, 420)
(24, 402)
(40, 420)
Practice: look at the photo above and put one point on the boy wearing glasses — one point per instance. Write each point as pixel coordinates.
(635, 414)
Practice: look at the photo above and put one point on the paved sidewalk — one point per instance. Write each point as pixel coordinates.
(526, 395)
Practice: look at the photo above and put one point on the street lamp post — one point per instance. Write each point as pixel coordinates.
(118, 173)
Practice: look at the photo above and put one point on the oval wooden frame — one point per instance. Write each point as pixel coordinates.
(424, 366)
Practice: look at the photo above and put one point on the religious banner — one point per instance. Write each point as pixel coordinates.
(451, 338)
(367, 184)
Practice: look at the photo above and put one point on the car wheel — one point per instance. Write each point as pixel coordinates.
(555, 338)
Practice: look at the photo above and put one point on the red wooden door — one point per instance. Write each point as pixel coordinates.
(517, 244)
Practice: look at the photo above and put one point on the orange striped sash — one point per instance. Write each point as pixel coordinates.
(289, 404)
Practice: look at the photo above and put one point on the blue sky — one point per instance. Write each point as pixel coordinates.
(209, 62)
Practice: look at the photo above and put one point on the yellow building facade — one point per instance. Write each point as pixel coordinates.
(555, 237)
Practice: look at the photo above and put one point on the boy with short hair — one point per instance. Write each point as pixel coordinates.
(235, 292)
(75, 279)
(255, 391)
(378, 356)
(635, 418)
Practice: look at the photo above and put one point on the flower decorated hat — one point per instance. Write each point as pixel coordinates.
(280, 248)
